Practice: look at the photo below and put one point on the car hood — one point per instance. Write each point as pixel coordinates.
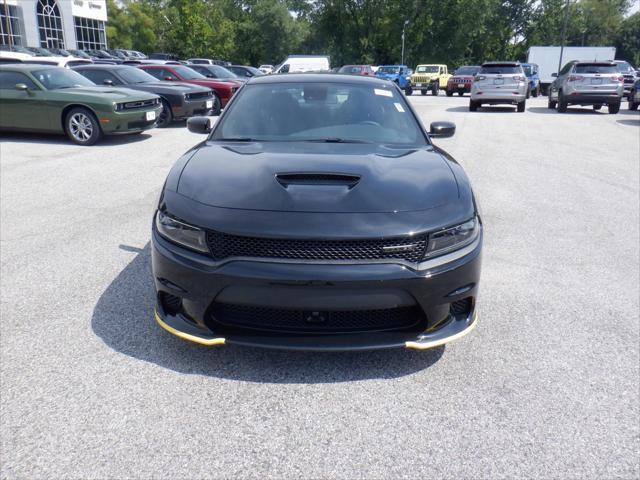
(165, 86)
(287, 177)
(109, 94)
(387, 75)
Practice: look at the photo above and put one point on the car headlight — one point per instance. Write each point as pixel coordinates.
(181, 233)
(452, 238)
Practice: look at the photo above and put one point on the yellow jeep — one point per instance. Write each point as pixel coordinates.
(427, 77)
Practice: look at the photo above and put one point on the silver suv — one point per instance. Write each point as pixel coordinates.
(587, 83)
(499, 83)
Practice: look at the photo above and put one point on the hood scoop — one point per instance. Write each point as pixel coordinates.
(323, 178)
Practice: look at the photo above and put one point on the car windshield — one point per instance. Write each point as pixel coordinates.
(528, 70)
(135, 75)
(320, 112)
(500, 69)
(624, 67)
(595, 68)
(350, 69)
(80, 53)
(55, 78)
(427, 69)
(389, 69)
(255, 71)
(467, 70)
(221, 72)
(187, 73)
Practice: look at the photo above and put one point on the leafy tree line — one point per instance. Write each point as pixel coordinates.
(369, 31)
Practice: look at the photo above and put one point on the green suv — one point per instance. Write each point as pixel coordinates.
(40, 98)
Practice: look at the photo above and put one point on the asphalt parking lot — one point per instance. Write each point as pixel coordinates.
(546, 386)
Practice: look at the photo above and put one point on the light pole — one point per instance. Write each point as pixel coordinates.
(564, 34)
(406, 22)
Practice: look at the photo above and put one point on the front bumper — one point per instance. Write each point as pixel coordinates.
(325, 287)
(128, 122)
(192, 108)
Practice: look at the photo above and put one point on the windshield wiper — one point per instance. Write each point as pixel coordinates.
(238, 139)
(332, 140)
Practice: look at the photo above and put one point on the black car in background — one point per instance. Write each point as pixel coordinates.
(244, 71)
(163, 56)
(629, 74)
(216, 71)
(317, 215)
(179, 100)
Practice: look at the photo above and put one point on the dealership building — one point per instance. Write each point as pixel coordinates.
(74, 24)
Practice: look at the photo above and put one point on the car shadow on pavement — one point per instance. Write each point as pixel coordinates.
(482, 109)
(632, 123)
(52, 139)
(570, 111)
(123, 319)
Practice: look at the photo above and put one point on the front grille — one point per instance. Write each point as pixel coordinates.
(198, 95)
(409, 248)
(421, 78)
(138, 104)
(310, 321)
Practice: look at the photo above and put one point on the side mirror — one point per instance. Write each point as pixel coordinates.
(199, 124)
(108, 82)
(554, 74)
(442, 129)
(22, 87)
(168, 78)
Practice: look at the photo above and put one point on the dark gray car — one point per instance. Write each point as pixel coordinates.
(179, 100)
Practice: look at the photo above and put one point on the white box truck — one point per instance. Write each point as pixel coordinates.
(547, 59)
(304, 63)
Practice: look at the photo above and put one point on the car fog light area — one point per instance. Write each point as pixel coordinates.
(452, 238)
(181, 233)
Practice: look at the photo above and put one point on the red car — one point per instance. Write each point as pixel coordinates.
(223, 89)
(461, 80)
(357, 70)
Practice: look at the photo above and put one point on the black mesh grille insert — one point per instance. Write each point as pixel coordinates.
(310, 321)
(223, 245)
(170, 303)
(461, 307)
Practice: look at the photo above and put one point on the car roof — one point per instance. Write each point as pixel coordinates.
(27, 67)
(608, 63)
(317, 78)
(505, 64)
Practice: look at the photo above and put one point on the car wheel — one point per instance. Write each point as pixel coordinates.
(449, 93)
(217, 106)
(166, 116)
(597, 107)
(633, 105)
(536, 91)
(423, 92)
(550, 103)
(473, 106)
(614, 107)
(521, 106)
(408, 91)
(562, 103)
(435, 91)
(82, 127)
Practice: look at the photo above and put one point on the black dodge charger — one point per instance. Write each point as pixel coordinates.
(317, 215)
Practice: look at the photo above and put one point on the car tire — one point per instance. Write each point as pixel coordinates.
(536, 91)
(550, 103)
(408, 91)
(435, 91)
(166, 115)
(614, 108)
(562, 103)
(597, 107)
(423, 92)
(521, 106)
(473, 106)
(449, 93)
(217, 105)
(82, 127)
(633, 105)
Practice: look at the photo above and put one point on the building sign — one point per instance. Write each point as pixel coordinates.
(96, 9)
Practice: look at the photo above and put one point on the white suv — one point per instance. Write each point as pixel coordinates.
(499, 83)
